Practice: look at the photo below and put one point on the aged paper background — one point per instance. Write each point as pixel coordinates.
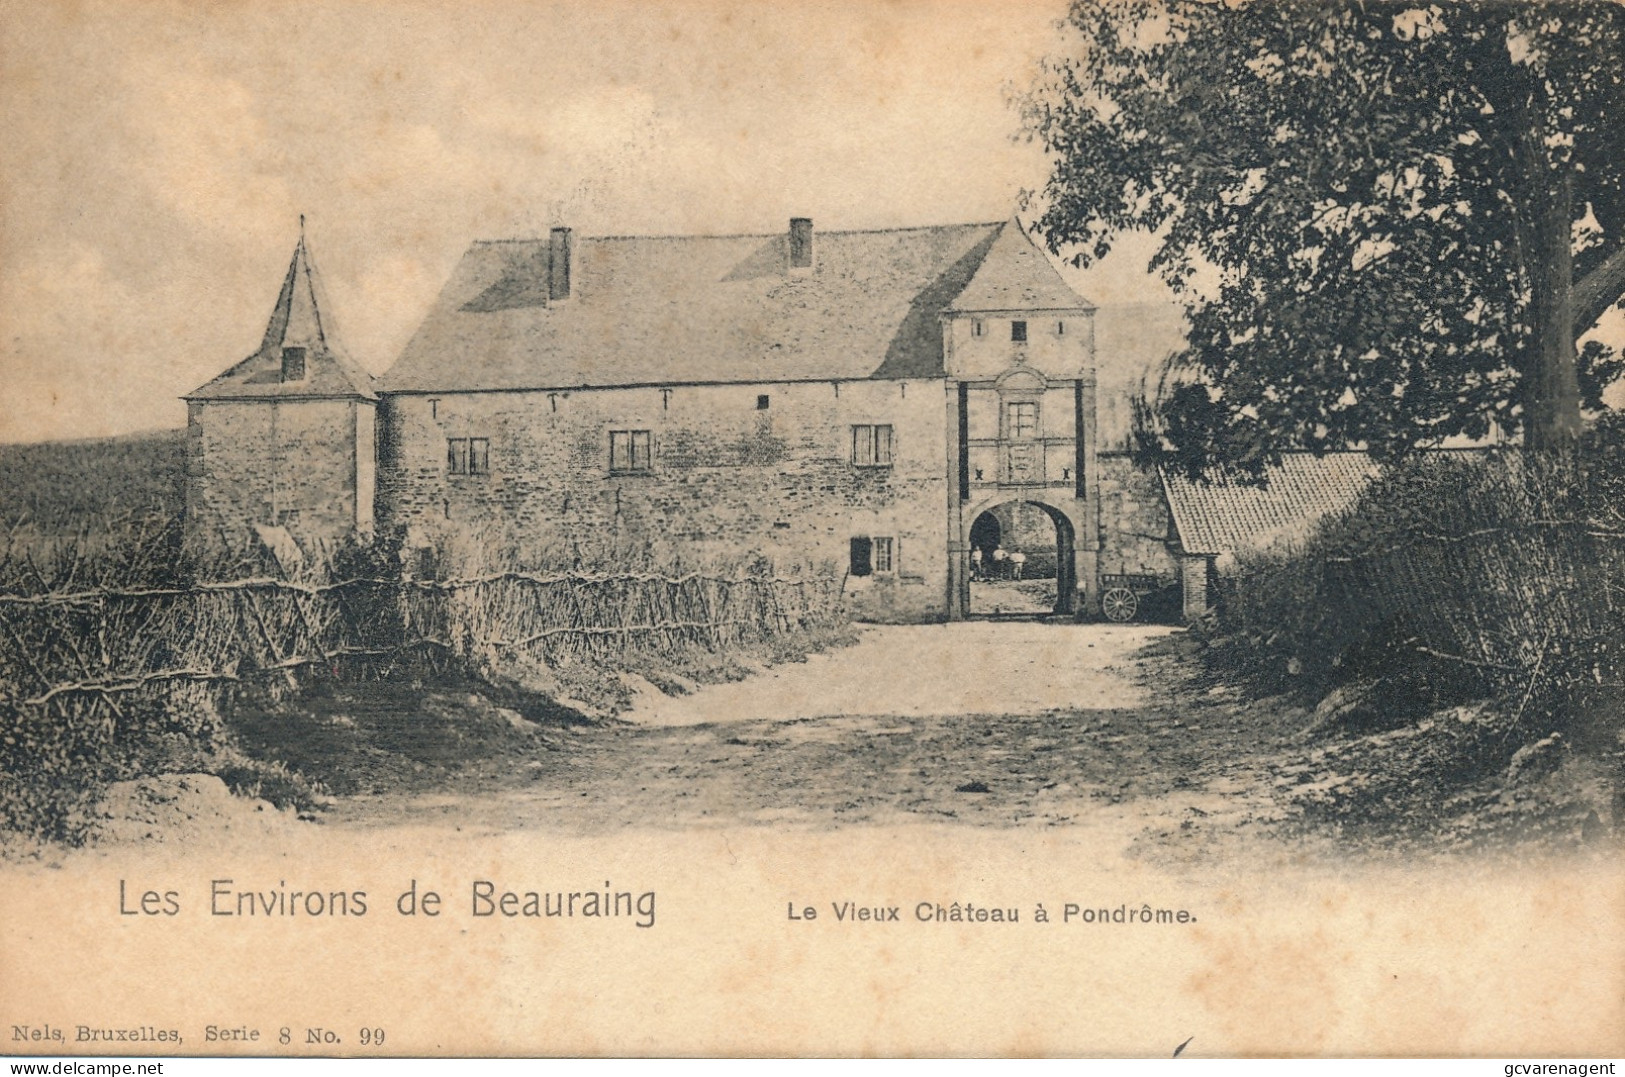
(160, 154)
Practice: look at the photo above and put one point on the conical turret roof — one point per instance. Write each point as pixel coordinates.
(301, 319)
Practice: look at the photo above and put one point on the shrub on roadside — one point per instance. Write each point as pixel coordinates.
(1456, 577)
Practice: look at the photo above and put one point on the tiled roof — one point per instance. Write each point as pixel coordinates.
(1226, 516)
(686, 309)
(303, 318)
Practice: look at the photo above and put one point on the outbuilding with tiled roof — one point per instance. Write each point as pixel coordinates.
(1218, 516)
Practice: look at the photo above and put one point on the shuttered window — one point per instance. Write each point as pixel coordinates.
(873, 556)
(630, 451)
(862, 559)
(468, 456)
(872, 446)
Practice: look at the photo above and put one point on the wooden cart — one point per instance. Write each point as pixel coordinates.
(1121, 594)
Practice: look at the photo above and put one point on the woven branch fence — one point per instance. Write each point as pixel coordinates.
(95, 660)
(1511, 576)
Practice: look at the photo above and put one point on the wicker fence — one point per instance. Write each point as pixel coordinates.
(1499, 574)
(88, 658)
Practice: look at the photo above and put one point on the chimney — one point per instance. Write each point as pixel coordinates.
(558, 265)
(801, 243)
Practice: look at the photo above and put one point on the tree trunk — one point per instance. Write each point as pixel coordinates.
(1551, 383)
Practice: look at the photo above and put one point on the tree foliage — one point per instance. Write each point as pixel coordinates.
(1411, 211)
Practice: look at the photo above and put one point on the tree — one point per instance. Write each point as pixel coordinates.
(1412, 210)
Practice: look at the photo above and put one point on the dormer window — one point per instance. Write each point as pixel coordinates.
(801, 244)
(293, 363)
(1018, 332)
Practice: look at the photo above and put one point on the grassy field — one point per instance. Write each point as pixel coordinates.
(64, 486)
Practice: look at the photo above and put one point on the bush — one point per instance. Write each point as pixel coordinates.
(1456, 576)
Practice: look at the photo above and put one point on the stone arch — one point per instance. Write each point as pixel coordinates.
(986, 531)
(1063, 513)
(1021, 379)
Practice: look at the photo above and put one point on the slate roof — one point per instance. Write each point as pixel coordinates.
(715, 309)
(1224, 516)
(302, 317)
(1016, 275)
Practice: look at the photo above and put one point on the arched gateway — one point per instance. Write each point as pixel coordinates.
(1049, 549)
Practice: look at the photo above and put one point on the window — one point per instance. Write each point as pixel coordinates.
(1023, 419)
(872, 446)
(762, 402)
(873, 556)
(1060, 329)
(885, 550)
(293, 363)
(977, 328)
(1018, 332)
(862, 559)
(468, 456)
(630, 451)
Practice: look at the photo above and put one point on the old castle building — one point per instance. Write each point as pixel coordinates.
(875, 403)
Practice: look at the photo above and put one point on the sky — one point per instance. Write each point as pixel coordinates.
(160, 152)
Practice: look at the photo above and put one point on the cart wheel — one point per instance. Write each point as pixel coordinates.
(1119, 604)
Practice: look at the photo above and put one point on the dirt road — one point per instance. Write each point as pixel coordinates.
(972, 667)
(992, 724)
(1106, 772)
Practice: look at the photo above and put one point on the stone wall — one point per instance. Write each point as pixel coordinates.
(291, 462)
(734, 471)
(1135, 527)
(1052, 458)
(1195, 569)
(1060, 344)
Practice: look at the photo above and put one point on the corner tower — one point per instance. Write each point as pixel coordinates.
(285, 438)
